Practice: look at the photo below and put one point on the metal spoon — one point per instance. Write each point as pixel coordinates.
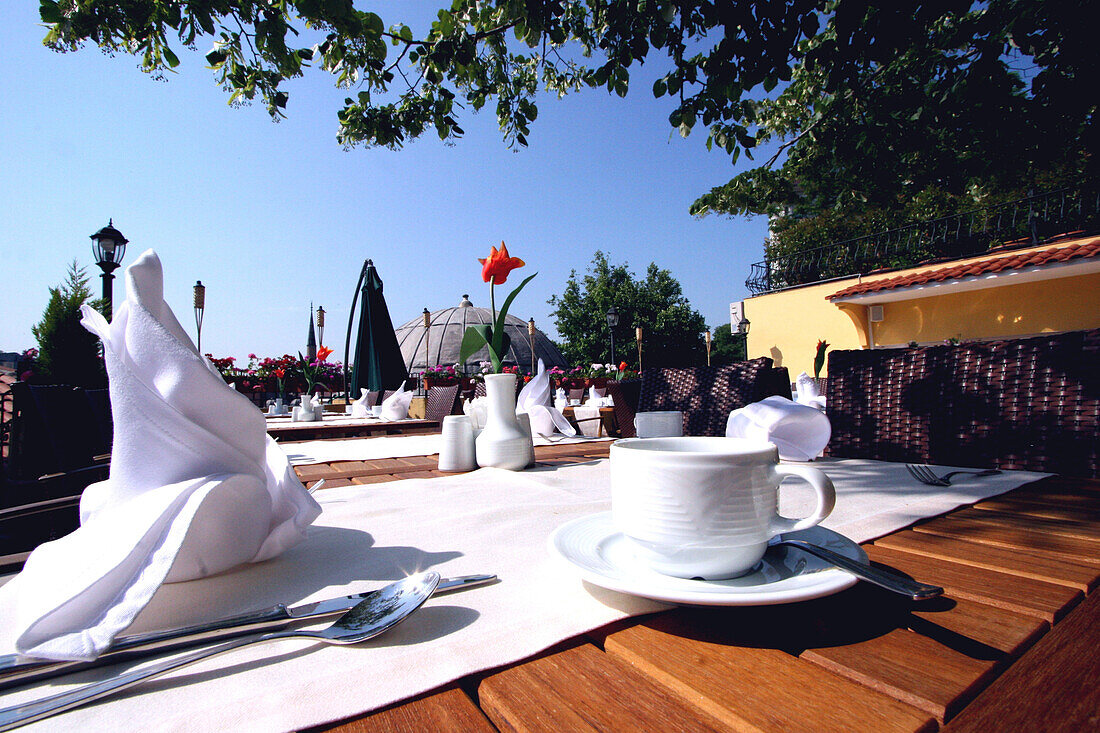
(377, 613)
(883, 578)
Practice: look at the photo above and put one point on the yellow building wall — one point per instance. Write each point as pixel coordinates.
(1062, 304)
(787, 325)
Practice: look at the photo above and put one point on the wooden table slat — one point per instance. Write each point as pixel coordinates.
(1023, 563)
(751, 688)
(1020, 507)
(1054, 687)
(1077, 528)
(584, 689)
(1047, 601)
(450, 709)
(1014, 534)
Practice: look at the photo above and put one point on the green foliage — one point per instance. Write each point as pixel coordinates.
(903, 112)
(672, 330)
(829, 75)
(727, 346)
(67, 352)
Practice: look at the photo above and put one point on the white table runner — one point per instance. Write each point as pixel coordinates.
(487, 521)
(395, 446)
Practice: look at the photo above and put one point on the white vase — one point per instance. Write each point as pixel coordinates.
(502, 442)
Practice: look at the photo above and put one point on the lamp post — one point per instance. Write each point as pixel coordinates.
(109, 246)
(612, 321)
(531, 342)
(427, 336)
(706, 337)
(743, 329)
(638, 336)
(200, 308)
(321, 325)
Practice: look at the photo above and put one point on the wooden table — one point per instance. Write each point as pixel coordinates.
(283, 431)
(608, 426)
(1011, 647)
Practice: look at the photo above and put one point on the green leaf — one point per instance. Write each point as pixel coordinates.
(473, 340)
(49, 12)
(659, 88)
(171, 58)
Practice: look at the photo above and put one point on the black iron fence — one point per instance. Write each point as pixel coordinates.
(1028, 220)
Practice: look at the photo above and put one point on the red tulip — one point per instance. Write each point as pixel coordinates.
(323, 353)
(280, 373)
(497, 265)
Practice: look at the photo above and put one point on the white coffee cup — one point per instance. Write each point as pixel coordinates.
(659, 424)
(376, 410)
(695, 507)
(456, 452)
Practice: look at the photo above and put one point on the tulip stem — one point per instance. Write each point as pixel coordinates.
(493, 296)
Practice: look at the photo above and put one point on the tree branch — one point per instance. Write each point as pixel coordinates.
(791, 142)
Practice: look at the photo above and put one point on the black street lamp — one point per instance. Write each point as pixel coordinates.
(108, 246)
(612, 321)
(743, 330)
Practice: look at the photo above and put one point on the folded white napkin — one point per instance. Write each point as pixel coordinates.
(597, 397)
(477, 410)
(534, 399)
(196, 487)
(396, 406)
(359, 407)
(800, 432)
(806, 392)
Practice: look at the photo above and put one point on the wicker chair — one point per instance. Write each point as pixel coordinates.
(442, 401)
(706, 395)
(625, 397)
(1029, 404)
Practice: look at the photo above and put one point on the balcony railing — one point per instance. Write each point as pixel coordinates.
(1029, 220)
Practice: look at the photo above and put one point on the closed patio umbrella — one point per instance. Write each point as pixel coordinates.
(377, 359)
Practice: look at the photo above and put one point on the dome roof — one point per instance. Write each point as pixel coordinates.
(445, 338)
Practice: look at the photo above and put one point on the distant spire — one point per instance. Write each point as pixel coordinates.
(311, 340)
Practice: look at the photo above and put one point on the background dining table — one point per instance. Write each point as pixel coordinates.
(1010, 646)
(284, 429)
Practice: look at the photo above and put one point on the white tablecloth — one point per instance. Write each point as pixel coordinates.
(487, 521)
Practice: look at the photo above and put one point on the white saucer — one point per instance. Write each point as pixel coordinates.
(605, 558)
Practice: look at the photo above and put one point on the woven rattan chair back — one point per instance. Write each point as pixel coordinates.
(1030, 404)
(625, 395)
(706, 395)
(442, 401)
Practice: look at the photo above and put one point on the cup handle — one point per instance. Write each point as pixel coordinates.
(826, 499)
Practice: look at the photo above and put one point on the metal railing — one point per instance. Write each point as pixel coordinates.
(1029, 220)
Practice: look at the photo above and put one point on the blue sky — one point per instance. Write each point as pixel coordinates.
(273, 216)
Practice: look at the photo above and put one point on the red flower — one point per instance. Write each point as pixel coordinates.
(623, 366)
(497, 265)
(323, 353)
(280, 373)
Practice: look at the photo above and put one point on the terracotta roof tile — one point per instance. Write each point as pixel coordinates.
(1063, 253)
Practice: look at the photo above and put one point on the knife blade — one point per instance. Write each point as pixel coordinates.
(17, 670)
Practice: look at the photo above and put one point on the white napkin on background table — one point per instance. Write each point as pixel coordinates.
(196, 487)
(800, 432)
(396, 406)
(534, 399)
(599, 398)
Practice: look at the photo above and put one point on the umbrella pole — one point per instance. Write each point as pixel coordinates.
(351, 319)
